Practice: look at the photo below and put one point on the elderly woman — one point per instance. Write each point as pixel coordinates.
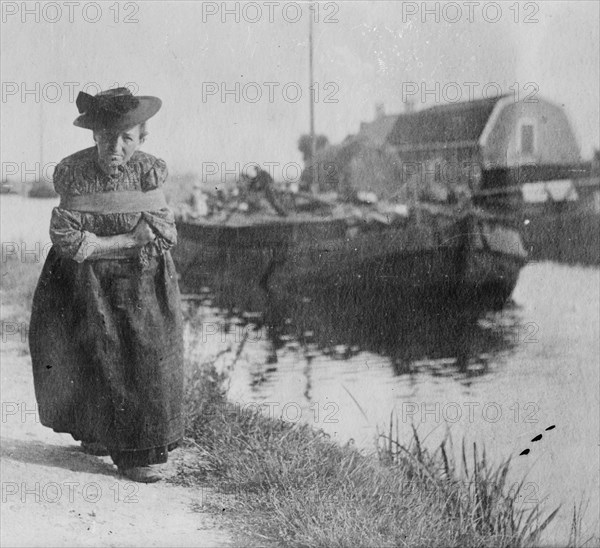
(106, 329)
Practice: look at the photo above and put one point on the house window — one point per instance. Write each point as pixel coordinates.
(527, 139)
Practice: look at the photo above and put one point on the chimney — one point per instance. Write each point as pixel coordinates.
(379, 111)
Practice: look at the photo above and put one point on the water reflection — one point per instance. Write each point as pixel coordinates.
(364, 355)
(413, 333)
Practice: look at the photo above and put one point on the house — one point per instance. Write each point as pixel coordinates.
(376, 133)
(487, 144)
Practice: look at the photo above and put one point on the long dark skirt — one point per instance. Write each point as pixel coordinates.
(107, 352)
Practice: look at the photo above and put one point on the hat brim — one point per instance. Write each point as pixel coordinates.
(147, 107)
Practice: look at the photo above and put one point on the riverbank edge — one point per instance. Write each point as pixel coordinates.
(285, 483)
(290, 484)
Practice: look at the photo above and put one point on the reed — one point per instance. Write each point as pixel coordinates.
(576, 536)
(289, 483)
(296, 486)
(476, 492)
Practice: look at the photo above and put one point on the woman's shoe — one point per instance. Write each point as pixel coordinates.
(94, 448)
(142, 474)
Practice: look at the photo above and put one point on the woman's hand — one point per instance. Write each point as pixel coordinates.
(108, 246)
(142, 233)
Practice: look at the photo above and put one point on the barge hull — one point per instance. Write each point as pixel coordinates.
(433, 253)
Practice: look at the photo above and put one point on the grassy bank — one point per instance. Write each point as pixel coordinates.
(297, 487)
(289, 484)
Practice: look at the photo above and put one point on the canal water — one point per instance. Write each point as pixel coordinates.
(498, 378)
(348, 364)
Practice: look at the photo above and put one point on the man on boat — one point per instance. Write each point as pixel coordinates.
(257, 191)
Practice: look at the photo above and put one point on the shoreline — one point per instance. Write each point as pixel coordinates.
(270, 481)
(295, 485)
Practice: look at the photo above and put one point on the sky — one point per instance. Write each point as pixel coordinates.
(188, 53)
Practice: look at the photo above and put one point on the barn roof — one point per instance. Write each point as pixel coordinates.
(450, 123)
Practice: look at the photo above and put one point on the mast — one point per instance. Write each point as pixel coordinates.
(313, 146)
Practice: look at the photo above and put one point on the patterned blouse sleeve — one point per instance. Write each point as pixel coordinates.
(162, 220)
(66, 232)
(68, 237)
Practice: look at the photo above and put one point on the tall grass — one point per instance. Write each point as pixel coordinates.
(475, 492)
(576, 538)
(296, 486)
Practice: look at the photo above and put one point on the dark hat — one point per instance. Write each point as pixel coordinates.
(114, 109)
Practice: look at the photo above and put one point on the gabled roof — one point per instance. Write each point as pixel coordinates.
(377, 131)
(450, 123)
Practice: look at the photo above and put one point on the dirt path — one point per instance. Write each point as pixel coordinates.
(55, 495)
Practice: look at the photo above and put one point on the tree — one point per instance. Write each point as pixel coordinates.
(304, 146)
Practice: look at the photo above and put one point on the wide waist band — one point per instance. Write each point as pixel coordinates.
(125, 201)
(118, 255)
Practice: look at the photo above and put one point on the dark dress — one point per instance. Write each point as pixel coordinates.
(106, 334)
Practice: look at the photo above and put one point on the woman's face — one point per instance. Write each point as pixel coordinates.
(115, 147)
